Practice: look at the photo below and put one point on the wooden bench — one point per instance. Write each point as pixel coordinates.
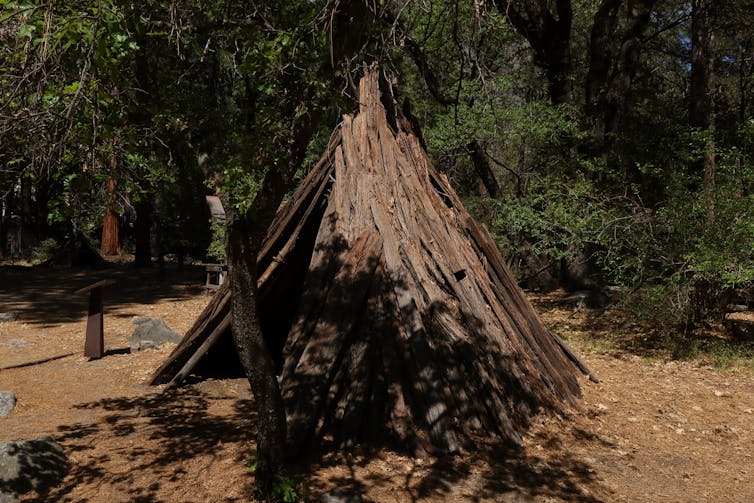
(741, 324)
(215, 275)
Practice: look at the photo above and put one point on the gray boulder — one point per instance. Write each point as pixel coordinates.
(9, 316)
(151, 333)
(7, 402)
(30, 465)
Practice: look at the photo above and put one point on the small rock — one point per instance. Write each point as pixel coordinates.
(9, 316)
(151, 333)
(30, 465)
(7, 402)
(341, 496)
(17, 342)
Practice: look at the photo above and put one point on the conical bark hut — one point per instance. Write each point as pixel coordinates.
(389, 309)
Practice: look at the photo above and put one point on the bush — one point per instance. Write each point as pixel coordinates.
(216, 249)
(685, 258)
(44, 251)
(556, 217)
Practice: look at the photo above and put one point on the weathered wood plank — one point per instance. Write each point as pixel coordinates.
(304, 389)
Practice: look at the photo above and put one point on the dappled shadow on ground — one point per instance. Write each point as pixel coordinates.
(44, 295)
(167, 429)
(648, 341)
(147, 446)
(490, 473)
(613, 331)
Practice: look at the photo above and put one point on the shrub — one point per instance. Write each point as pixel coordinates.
(44, 251)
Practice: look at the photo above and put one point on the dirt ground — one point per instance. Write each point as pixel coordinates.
(653, 429)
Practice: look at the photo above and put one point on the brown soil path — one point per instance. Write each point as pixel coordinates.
(652, 430)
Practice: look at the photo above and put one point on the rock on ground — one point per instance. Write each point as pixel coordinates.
(151, 333)
(30, 465)
(9, 316)
(7, 402)
(341, 496)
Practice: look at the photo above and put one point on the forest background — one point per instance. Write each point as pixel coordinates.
(606, 133)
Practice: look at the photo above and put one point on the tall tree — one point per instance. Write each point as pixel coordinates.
(615, 44)
(286, 79)
(701, 102)
(614, 50)
(548, 31)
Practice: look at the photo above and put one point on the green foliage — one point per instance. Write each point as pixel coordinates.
(45, 250)
(521, 138)
(284, 488)
(685, 257)
(216, 248)
(664, 305)
(719, 353)
(557, 214)
(63, 85)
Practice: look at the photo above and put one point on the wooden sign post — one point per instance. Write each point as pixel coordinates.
(94, 345)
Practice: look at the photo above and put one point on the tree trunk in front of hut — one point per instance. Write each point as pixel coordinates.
(241, 249)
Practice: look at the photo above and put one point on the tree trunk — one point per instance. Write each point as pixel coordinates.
(484, 170)
(4, 219)
(549, 35)
(25, 232)
(600, 61)
(143, 235)
(110, 240)
(243, 241)
(700, 85)
(701, 103)
(612, 68)
(244, 238)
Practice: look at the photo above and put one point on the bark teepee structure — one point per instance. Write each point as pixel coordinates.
(388, 308)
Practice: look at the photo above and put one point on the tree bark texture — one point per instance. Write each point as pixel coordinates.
(701, 102)
(549, 35)
(242, 246)
(110, 244)
(245, 233)
(484, 169)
